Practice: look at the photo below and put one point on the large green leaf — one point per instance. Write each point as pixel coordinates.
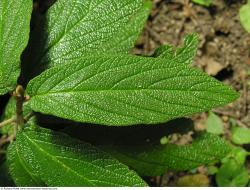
(14, 34)
(73, 28)
(125, 90)
(73, 162)
(157, 159)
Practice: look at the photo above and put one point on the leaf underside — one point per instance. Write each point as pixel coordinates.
(125, 90)
(73, 162)
(14, 35)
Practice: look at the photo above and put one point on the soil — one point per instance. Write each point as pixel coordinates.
(224, 53)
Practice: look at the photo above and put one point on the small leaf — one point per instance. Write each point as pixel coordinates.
(165, 51)
(125, 90)
(73, 162)
(240, 135)
(77, 27)
(183, 54)
(245, 15)
(239, 154)
(14, 35)
(232, 174)
(206, 3)
(214, 124)
(157, 159)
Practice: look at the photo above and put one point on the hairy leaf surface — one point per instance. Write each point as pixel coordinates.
(73, 162)
(125, 90)
(75, 28)
(14, 35)
(157, 159)
(20, 170)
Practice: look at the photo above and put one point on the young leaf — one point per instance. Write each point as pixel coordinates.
(206, 3)
(232, 174)
(125, 90)
(245, 15)
(183, 54)
(73, 162)
(76, 27)
(156, 160)
(14, 35)
(214, 124)
(241, 135)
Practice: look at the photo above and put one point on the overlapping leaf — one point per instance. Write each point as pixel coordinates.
(72, 162)
(75, 28)
(14, 35)
(125, 90)
(156, 160)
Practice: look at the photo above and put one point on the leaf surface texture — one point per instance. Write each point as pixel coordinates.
(125, 90)
(73, 162)
(14, 35)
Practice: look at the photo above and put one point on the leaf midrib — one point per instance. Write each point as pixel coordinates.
(56, 160)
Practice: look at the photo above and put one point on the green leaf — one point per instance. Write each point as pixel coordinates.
(155, 160)
(245, 15)
(240, 135)
(20, 170)
(214, 124)
(232, 174)
(239, 154)
(165, 51)
(73, 162)
(14, 35)
(206, 3)
(125, 90)
(76, 27)
(183, 54)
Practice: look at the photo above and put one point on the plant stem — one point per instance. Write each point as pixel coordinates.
(8, 121)
(19, 95)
